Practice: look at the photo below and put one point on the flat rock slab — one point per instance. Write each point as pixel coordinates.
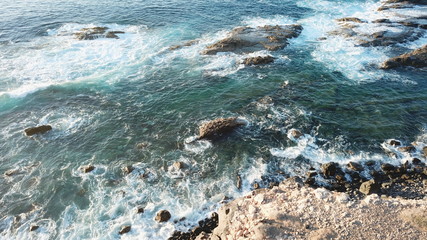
(95, 33)
(218, 127)
(37, 130)
(248, 39)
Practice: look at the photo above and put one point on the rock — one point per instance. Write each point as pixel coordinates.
(34, 228)
(355, 166)
(125, 229)
(178, 165)
(311, 174)
(140, 210)
(416, 58)
(162, 216)
(395, 143)
(128, 169)
(386, 167)
(369, 187)
(88, 168)
(186, 44)
(295, 133)
(406, 149)
(37, 130)
(239, 182)
(247, 39)
(256, 185)
(329, 169)
(424, 151)
(266, 100)
(219, 127)
(95, 33)
(416, 161)
(350, 19)
(382, 20)
(258, 60)
(11, 172)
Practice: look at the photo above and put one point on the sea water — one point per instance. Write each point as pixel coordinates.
(131, 101)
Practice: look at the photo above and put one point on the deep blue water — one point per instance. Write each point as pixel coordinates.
(105, 97)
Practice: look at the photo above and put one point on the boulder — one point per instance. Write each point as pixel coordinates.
(128, 169)
(140, 210)
(163, 216)
(248, 39)
(407, 149)
(125, 229)
(416, 58)
(37, 130)
(295, 133)
(178, 165)
(387, 167)
(369, 187)
(258, 60)
(424, 151)
(395, 143)
(88, 168)
(34, 228)
(355, 166)
(219, 127)
(329, 169)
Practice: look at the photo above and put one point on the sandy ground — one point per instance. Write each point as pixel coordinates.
(294, 211)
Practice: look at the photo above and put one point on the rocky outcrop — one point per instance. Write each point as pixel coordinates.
(37, 130)
(369, 187)
(34, 228)
(205, 226)
(163, 216)
(416, 58)
(125, 229)
(258, 60)
(95, 33)
(87, 169)
(186, 44)
(248, 39)
(216, 128)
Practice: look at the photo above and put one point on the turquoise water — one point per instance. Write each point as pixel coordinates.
(105, 97)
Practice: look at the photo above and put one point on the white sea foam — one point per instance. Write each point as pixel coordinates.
(59, 59)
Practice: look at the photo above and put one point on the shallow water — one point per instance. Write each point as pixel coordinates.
(105, 97)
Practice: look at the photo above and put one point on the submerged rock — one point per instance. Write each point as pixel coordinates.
(295, 133)
(218, 127)
(248, 39)
(416, 58)
(163, 216)
(37, 130)
(128, 169)
(351, 19)
(258, 60)
(125, 229)
(178, 165)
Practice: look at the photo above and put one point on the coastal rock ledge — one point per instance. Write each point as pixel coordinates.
(294, 211)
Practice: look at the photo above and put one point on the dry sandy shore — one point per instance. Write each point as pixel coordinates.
(294, 211)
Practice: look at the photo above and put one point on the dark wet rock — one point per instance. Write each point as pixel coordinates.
(128, 169)
(37, 130)
(382, 20)
(256, 185)
(395, 143)
(140, 210)
(162, 216)
(369, 187)
(88, 168)
(178, 165)
(310, 181)
(95, 33)
(386, 38)
(295, 133)
(424, 151)
(142, 145)
(186, 44)
(416, 161)
(247, 39)
(340, 178)
(219, 127)
(311, 174)
(259, 60)
(355, 166)
(206, 226)
(329, 169)
(351, 19)
(239, 182)
(34, 228)
(370, 163)
(416, 58)
(406, 149)
(387, 167)
(125, 229)
(266, 100)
